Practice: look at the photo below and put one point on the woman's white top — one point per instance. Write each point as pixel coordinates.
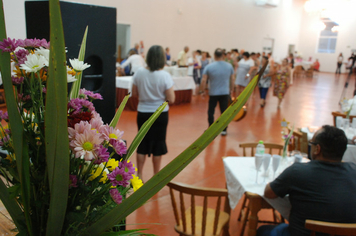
(136, 62)
(151, 88)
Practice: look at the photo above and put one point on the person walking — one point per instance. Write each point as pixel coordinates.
(221, 80)
(281, 82)
(153, 86)
(265, 81)
(340, 59)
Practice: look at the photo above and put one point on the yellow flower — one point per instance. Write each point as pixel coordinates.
(136, 182)
(8, 157)
(95, 174)
(112, 164)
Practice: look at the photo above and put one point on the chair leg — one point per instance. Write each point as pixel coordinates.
(274, 216)
(244, 221)
(242, 207)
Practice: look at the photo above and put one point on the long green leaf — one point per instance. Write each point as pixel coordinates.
(57, 143)
(158, 181)
(12, 207)
(74, 92)
(15, 124)
(143, 131)
(116, 118)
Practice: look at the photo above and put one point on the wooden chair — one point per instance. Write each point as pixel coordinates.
(245, 210)
(330, 228)
(299, 141)
(298, 71)
(197, 220)
(343, 115)
(269, 147)
(310, 72)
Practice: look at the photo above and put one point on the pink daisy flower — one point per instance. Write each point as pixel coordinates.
(119, 146)
(79, 128)
(127, 166)
(119, 177)
(111, 133)
(102, 154)
(96, 123)
(84, 144)
(116, 196)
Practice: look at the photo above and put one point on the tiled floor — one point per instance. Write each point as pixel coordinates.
(308, 102)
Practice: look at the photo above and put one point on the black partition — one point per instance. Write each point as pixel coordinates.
(101, 44)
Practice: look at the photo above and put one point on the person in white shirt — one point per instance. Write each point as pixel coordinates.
(135, 61)
(245, 67)
(153, 86)
(182, 57)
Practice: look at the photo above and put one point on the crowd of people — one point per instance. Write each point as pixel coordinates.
(245, 66)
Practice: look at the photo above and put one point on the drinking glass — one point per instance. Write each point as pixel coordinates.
(346, 124)
(276, 159)
(266, 161)
(258, 164)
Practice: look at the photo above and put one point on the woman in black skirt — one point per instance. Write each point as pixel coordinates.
(153, 86)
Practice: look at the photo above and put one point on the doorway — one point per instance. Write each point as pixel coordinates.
(123, 38)
(291, 49)
(267, 45)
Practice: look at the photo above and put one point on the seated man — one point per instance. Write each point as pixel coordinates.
(323, 189)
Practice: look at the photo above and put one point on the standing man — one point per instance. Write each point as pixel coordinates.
(182, 57)
(322, 189)
(220, 75)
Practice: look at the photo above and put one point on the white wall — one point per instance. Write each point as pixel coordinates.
(202, 24)
(346, 39)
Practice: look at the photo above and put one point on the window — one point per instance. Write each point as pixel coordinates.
(328, 37)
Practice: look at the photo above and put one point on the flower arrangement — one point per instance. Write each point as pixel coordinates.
(96, 179)
(286, 136)
(61, 176)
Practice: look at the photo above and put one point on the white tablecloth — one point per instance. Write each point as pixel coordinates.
(180, 83)
(240, 173)
(305, 64)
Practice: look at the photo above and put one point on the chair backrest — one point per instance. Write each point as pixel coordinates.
(343, 115)
(200, 192)
(330, 228)
(269, 147)
(299, 141)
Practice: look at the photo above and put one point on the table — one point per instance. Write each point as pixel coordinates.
(183, 87)
(240, 173)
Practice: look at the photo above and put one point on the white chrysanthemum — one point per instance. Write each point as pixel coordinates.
(70, 77)
(78, 65)
(34, 63)
(44, 52)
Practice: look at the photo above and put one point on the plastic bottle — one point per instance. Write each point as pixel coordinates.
(260, 149)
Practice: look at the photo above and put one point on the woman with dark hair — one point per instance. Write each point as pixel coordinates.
(244, 68)
(153, 86)
(281, 82)
(265, 81)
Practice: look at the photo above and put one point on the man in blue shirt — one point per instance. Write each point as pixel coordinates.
(221, 81)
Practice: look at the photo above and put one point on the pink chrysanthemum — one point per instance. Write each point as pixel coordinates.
(119, 146)
(9, 45)
(21, 56)
(102, 154)
(4, 115)
(90, 94)
(31, 43)
(119, 177)
(116, 196)
(111, 133)
(79, 128)
(73, 181)
(78, 105)
(4, 140)
(96, 123)
(84, 144)
(17, 80)
(127, 166)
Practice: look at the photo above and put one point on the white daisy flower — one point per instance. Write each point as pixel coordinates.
(78, 65)
(70, 77)
(44, 52)
(34, 63)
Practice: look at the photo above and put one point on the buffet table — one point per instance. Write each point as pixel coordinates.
(183, 88)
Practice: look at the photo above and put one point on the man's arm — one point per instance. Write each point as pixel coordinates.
(203, 83)
(269, 192)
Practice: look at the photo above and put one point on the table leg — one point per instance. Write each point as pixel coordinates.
(255, 205)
